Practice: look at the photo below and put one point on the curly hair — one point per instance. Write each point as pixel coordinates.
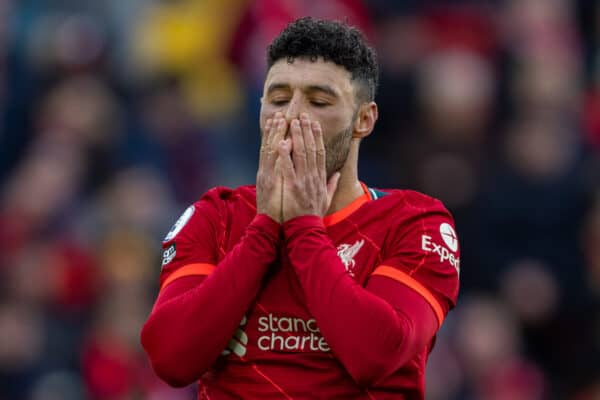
(333, 41)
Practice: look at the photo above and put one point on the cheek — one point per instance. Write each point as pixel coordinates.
(263, 119)
(266, 112)
(333, 124)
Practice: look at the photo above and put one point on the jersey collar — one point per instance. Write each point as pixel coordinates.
(342, 214)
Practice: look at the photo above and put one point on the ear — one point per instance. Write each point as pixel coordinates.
(365, 120)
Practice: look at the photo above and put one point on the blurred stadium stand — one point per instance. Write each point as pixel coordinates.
(115, 115)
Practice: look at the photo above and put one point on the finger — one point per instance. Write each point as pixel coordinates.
(299, 153)
(275, 120)
(270, 128)
(332, 185)
(279, 133)
(320, 150)
(309, 144)
(278, 188)
(278, 129)
(267, 130)
(285, 160)
(264, 140)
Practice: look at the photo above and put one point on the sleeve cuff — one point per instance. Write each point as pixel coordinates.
(266, 225)
(297, 225)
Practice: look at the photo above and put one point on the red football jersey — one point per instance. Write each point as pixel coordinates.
(322, 317)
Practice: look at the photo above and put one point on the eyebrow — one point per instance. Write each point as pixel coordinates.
(307, 89)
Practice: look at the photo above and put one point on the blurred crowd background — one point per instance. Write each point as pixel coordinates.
(115, 115)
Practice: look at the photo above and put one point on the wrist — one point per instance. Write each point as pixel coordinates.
(267, 225)
(296, 225)
(290, 217)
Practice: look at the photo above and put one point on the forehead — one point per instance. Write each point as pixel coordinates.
(304, 73)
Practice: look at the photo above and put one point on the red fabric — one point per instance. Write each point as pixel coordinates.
(180, 348)
(109, 367)
(77, 281)
(263, 20)
(591, 118)
(292, 314)
(384, 324)
(467, 28)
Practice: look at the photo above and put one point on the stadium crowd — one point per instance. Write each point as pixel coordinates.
(116, 115)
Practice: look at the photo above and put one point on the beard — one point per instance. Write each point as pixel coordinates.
(336, 151)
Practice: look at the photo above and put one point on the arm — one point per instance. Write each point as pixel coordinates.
(194, 317)
(385, 324)
(201, 304)
(372, 330)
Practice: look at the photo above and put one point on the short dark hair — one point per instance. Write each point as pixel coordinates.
(334, 41)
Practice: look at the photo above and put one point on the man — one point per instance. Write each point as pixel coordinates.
(309, 284)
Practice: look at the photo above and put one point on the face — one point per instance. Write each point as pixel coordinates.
(321, 89)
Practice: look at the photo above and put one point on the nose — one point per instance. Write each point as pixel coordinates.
(294, 108)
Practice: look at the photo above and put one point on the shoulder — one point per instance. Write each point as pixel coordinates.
(222, 199)
(408, 203)
(422, 242)
(212, 209)
(225, 194)
(413, 217)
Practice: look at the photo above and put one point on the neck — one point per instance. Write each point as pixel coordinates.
(349, 188)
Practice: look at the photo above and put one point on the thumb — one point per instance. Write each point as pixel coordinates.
(332, 187)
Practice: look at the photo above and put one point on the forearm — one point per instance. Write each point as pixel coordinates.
(376, 338)
(189, 327)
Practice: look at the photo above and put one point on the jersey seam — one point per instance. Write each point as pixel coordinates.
(421, 220)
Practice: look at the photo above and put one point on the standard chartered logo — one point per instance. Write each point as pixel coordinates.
(289, 334)
(279, 334)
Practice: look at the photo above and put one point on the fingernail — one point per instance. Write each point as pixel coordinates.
(295, 122)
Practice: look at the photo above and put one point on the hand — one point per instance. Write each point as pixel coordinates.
(306, 190)
(269, 181)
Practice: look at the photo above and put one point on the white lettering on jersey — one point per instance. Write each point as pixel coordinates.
(428, 245)
(290, 334)
(347, 252)
(169, 254)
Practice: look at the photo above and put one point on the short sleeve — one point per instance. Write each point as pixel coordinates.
(423, 253)
(191, 246)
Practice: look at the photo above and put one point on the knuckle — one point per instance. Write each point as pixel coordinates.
(261, 179)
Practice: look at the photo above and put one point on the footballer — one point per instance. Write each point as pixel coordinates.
(311, 283)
